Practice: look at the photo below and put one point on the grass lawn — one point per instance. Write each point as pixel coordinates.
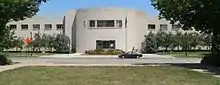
(166, 75)
(190, 54)
(23, 54)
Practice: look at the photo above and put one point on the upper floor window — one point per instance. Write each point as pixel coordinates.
(118, 23)
(105, 23)
(152, 26)
(59, 26)
(24, 27)
(13, 27)
(48, 26)
(36, 26)
(176, 27)
(163, 27)
(92, 23)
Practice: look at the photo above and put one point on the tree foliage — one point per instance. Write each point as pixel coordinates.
(62, 43)
(202, 15)
(150, 43)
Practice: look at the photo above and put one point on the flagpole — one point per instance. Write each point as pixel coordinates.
(126, 33)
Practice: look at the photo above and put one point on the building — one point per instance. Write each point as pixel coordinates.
(93, 28)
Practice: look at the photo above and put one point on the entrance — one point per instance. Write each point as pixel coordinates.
(105, 44)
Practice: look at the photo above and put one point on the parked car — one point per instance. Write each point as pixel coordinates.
(131, 54)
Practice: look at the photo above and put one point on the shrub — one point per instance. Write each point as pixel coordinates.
(104, 52)
(4, 60)
(211, 60)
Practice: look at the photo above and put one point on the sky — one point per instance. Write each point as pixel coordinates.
(60, 7)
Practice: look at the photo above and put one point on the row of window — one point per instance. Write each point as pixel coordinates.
(105, 23)
(37, 26)
(163, 27)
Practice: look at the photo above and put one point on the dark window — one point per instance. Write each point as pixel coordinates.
(163, 27)
(36, 26)
(59, 26)
(13, 27)
(105, 23)
(119, 23)
(100, 44)
(152, 26)
(48, 26)
(92, 23)
(24, 27)
(176, 27)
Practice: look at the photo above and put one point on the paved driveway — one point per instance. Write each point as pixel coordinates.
(105, 60)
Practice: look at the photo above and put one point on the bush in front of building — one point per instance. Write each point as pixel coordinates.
(150, 44)
(104, 52)
(62, 43)
(4, 60)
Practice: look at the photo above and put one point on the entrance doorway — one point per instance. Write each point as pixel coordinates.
(105, 44)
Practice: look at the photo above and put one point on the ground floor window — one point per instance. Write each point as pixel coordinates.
(105, 44)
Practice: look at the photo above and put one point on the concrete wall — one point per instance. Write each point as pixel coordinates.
(86, 37)
(36, 20)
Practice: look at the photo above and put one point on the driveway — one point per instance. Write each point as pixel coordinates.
(85, 59)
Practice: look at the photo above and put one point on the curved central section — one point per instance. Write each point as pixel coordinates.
(104, 28)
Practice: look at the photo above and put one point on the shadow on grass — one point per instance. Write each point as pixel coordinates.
(207, 69)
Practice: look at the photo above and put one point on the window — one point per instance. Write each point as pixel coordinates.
(13, 27)
(92, 23)
(176, 27)
(59, 26)
(105, 44)
(152, 26)
(105, 23)
(163, 27)
(119, 23)
(48, 26)
(24, 27)
(36, 26)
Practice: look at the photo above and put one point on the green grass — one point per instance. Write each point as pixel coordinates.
(190, 54)
(23, 54)
(105, 76)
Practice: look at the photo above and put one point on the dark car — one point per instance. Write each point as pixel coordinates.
(130, 55)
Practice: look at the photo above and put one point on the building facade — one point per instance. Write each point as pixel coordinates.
(97, 28)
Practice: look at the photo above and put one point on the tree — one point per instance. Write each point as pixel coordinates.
(37, 42)
(48, 41)
(206, 40)
(7, 40)
(160, 37)
(15, 10)
(202, 15)
(62, 43)
(150, 44)
(18, 43)
(178, 40)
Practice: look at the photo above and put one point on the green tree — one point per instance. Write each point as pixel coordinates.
(160, 37)
(37, 43)
(178, 40)
(202, 15)
(150, 43)
(18, 43)
(7, 40)
(62, 43)
(15, 10)
(206, 40)
(48, 42)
